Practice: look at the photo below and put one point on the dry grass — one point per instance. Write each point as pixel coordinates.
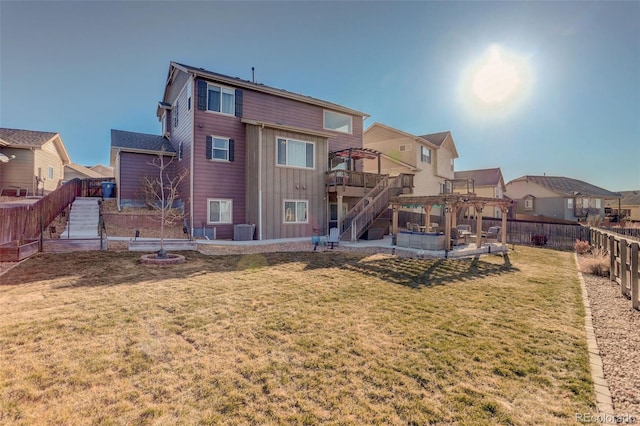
(596, 263)
(302, 338)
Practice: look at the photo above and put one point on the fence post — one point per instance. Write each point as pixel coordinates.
(623, 267)
(634, 281)
(612, 258)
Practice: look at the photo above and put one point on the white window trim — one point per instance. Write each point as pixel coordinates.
(222, 88)
(324, 122)
(296, 167)
(284, 212)
(229, 200)
(51, 172)
(528, 204)
(423, 148)
(570, 203)
(213, 137)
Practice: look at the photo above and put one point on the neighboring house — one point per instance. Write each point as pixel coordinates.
(252, 154)
(133, 155)
(105, 171)
(430, 157)
(558, 197)
(73, 171)
(486, 183)
(628, 206)
(38, 166)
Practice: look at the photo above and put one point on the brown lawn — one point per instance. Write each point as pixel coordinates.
(301, 338)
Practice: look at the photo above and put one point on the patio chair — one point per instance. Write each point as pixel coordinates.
(493, 234)
(456, 238)
(334, 237)
(409, 226)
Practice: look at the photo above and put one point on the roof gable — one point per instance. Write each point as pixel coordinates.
(568, 187)
(483, 177)
(139, 142)
(441, 140)
(17, 138)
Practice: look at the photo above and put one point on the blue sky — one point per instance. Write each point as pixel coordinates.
(83, 68)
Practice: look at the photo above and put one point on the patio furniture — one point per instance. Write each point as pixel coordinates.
(334, 237)
(492, 234)
(456, 238)
(464, 231)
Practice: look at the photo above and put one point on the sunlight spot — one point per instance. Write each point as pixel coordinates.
(496, 80)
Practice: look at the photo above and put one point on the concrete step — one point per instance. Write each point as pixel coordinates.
(77, 233)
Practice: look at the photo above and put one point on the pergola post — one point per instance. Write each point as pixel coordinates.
(505, 210)
(427, 217)
(447, 226)
(478, 208)
(394, 225)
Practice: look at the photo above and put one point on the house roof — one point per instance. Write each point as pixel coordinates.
(436, 138)
(630, 198)
(569, 187)
(105, 171)
(481, 177)
(83, 170)
(246, 84)
(18, 138)
(139, 142)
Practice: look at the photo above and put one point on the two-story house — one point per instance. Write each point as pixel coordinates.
(487, 183)
(558, 197)
(38, 161)
(250, 153)
(429, 157)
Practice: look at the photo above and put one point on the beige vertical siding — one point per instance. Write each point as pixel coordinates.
(285, 183)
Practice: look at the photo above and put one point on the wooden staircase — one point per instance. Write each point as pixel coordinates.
(370, 207)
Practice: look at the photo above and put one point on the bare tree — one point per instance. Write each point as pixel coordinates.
(161, 192)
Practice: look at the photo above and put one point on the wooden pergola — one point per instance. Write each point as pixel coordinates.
(451, 203)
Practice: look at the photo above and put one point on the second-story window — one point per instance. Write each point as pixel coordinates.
(425, 154)
(293, 153)
(221, 99)
(337, 122)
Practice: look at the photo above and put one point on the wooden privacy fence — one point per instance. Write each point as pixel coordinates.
(624, 262)
(25, 222)
(634, 233)
(554, 235)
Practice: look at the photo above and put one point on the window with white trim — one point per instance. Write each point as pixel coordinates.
(528, 203)
(219, 210)
(295, 153)
(219, 148)
(338, 122)
(425, 154)
(296, 211)
(570, 203)
(50, 172)
(221, 99)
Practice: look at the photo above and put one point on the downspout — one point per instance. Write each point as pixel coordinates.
(260, 182)
(191, 160)
(118, 180)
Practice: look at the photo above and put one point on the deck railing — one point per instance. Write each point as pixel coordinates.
(26, 222)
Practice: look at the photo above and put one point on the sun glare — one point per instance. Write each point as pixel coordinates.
(497, 81)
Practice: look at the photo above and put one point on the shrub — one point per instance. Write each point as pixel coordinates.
(582, 247)
(597, 264)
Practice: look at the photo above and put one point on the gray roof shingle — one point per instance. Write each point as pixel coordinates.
(481, 177)
(139, 141)
(26, 138)
(570, 187)
(435, 138)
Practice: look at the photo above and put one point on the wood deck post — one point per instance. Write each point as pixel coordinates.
(635, 281)
(340, 213)
(447, 226)
(623, 268)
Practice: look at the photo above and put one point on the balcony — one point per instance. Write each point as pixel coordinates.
(356, 184)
